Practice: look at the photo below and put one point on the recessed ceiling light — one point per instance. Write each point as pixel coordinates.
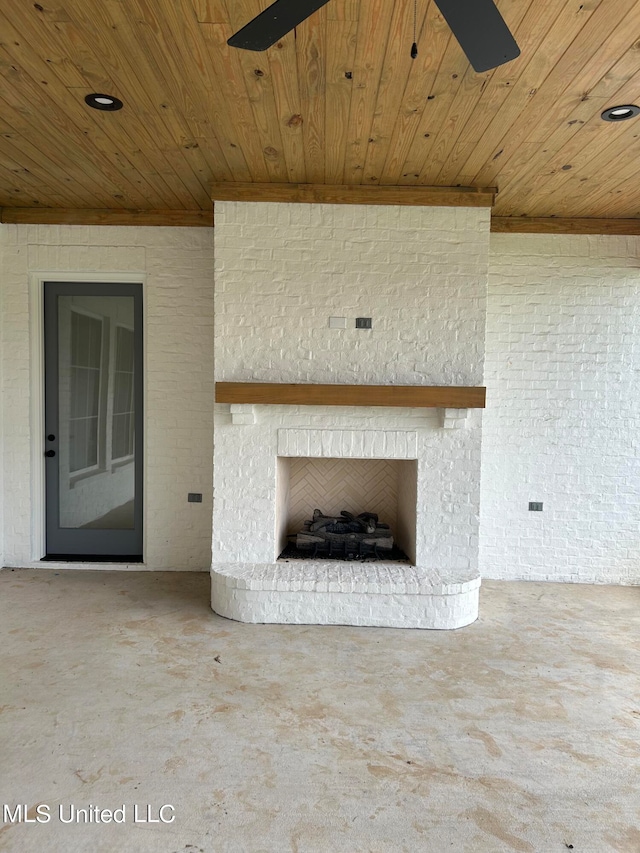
(103, 102)
(620, 113)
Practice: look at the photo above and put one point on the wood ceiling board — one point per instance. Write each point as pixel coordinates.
(211, 160)
(150, 99)
(211, 11)
(422, 76)
(17, 148)
(568, 187)
(52, 11)
(182, 32)
(21, 187)
(193, 116)
(343, 10)
(145, 126)
(443, 164)
(393, 83)
(583, 144)
(472, 110)
(589, 56)
(71, 187)
(311, 52)
(606, 155)
(53, 138)
(29, 102)
(258, 84)
(516, 112)
(283, 66)
(450, 103)
(436, 167)
(228, 128)
(161, 38)
(355, 194)
(578, 134)
(372, 37)
(128, 141)
(148, 128)
(436, 106)
(614, 200)
(341, 52)
(67, 36)
(240, 125)
(546, 111)
(24, 19)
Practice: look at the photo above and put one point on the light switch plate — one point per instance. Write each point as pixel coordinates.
(337, 322)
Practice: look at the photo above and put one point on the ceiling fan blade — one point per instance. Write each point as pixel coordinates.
(481, 32)
(274, 23)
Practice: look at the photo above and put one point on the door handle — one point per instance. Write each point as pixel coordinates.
(50, 453)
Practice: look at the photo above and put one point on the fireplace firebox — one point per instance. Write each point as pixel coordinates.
(343, 537)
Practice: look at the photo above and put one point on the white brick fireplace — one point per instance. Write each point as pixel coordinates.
(282, 270)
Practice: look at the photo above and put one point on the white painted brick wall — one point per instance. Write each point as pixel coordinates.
(562, 362)
(563, 409)
(281, 271)
(3, 406)
(178, 264)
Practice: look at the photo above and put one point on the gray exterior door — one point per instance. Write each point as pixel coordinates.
(93, 421)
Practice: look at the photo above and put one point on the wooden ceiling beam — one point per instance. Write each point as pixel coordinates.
(80, 216)
(355, 194)
(204, 219)
(553, 225)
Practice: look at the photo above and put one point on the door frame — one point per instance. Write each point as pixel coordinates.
(37, 281)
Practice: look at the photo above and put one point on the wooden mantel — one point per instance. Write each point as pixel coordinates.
(408, 396)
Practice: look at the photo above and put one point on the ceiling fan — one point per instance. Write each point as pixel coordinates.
(477, 25)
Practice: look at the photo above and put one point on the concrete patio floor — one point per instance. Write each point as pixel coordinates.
(518, 733)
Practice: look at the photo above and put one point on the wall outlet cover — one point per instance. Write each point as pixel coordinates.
(337, 322)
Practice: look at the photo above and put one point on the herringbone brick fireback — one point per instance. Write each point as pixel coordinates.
(331, 485)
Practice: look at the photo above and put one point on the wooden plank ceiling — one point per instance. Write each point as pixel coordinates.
(339, 101)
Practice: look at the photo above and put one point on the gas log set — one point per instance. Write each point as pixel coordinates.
(344, 537)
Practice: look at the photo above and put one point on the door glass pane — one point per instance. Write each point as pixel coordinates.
(96, 412)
